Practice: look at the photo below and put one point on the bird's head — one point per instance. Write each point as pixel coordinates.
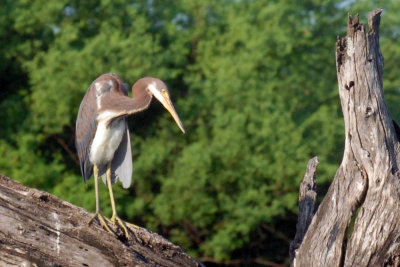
(159, 90)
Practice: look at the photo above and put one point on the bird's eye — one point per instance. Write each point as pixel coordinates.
(164, 92)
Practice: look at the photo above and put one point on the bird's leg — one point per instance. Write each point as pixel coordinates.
(96, 188)
(114, 217)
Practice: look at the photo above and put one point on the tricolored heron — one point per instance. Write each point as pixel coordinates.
(102, 135)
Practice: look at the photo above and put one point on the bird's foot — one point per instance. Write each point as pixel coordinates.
(102, 221)
(133, 225)
(114, 219)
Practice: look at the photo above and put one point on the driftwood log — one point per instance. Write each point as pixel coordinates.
(39, 229)
(358, 221)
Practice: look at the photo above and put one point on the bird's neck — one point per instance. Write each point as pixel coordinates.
(140, 101)
(119, 105)
(141, 97)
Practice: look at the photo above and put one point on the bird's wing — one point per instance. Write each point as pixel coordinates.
(121, 164)
(86, 125)
(122, 161)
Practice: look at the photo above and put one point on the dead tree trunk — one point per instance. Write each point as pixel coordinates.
(39, 229)
(366, 186)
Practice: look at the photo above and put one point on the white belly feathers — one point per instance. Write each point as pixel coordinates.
(106, 141)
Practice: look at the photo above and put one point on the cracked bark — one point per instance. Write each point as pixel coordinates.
(367, 184)
(39, 229)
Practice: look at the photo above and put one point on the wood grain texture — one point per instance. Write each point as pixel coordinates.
(366, 185)
(39, 229)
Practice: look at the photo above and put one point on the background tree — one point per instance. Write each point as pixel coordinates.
(254, 83)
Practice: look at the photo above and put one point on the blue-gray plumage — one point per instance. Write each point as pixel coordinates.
(102, 135)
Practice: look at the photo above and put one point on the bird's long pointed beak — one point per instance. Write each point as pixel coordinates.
(170, 107)
(165, 100)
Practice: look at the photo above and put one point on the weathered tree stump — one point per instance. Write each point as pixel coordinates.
(366, 186)
(39, 229)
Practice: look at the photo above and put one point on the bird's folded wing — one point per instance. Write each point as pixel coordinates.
(121, 164)
(85, 131)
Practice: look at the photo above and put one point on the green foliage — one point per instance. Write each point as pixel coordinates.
(254, 83)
